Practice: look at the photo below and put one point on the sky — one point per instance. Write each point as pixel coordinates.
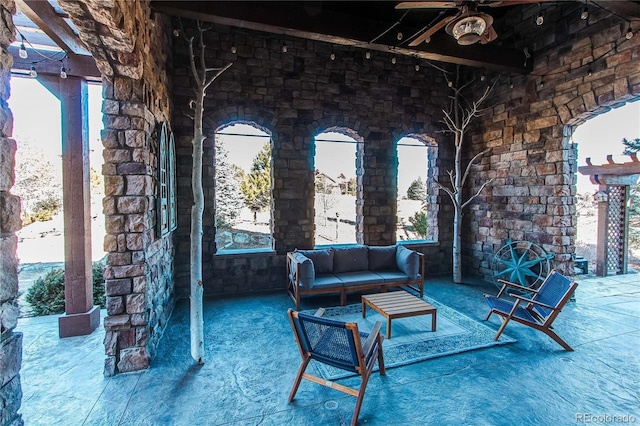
(36, 118)
(602, 135)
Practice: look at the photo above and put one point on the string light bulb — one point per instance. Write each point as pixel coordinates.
(332, 56)
(629, 34)
(23, 51)
(450, 83)
(393, 59)
(585, 13)
(367, 54)
(63, 72)
(540, 17)
(417, 66)
(234, 49)
(284, 47)
(483, 77)
(400, 35)
(32, 71)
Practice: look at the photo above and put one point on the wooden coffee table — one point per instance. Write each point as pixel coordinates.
(398, 304)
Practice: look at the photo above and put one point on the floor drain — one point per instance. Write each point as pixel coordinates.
(330, 405)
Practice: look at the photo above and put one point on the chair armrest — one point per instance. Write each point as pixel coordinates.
(373, 336)
(524, 299)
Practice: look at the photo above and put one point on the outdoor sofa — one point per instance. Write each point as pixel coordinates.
(353, 269)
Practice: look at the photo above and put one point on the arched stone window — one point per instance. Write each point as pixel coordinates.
(243, 186)
(416, 209)
(337, 194)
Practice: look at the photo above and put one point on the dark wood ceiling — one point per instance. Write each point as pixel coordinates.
(374, 25)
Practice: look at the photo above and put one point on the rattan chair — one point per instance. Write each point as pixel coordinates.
(537, 312)
(340, 345)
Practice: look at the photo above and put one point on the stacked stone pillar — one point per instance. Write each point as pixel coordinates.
(10, 340)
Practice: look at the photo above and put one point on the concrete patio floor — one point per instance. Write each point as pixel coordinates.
(251, 360)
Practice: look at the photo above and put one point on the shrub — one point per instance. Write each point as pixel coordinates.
(46, 295)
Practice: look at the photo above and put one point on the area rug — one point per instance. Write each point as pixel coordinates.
(412, 339)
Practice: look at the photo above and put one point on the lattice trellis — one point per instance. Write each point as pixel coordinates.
(616, 229)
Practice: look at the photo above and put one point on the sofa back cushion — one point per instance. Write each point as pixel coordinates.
(408, 262)
(303, 266)
(350, 259)
(382, 258)
(322, 259)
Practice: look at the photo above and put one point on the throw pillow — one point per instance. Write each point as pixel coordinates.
(305, 270)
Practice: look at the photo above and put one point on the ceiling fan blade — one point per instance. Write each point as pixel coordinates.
(514, 2)
(431, 31)
(427, 5)
(488, 36)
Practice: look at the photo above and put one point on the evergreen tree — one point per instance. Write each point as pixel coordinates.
(631, 146)
(256, 186)
(417, 190)
(228, 179)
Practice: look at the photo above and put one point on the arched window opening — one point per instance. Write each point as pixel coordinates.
(413, 171)
(243, 185)
(335, 188)
(597, 138)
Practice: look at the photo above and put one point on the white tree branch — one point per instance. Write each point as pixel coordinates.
(473, 197)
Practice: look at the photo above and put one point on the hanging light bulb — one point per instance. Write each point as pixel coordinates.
(417, 66)
(332, 56)
(629, 33)
(585, 13)
(450, 83)
(427, 40)
(23, 51)
(284, 47)
(400, 35)
(483, 77)
(393, 59)
(367, 54)
(32, 71)
(63, 72)
(234, 48)
(539, 18)
(589, 71)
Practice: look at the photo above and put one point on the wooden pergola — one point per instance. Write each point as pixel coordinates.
(613, 182)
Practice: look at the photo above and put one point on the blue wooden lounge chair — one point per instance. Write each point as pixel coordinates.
(337, 344)
(537, 312)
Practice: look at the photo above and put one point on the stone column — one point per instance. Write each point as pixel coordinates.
(10, 340)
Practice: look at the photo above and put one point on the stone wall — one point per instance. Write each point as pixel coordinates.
(295, 96)
(581, 69)
(131, 47)
(10, 223)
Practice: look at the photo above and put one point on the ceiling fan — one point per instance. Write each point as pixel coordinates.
(468, 26)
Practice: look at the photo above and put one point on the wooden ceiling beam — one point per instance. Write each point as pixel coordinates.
(76, 65)
(45, 17)
(285, 18)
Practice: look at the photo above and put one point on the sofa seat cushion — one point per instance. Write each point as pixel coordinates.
(382, 258)
(322, 259)
(327, 281)
(359, 278)
(394, 276)
(350, 259)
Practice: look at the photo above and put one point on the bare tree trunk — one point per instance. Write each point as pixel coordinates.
(202, 83)
(457, 120)
(197, 210)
